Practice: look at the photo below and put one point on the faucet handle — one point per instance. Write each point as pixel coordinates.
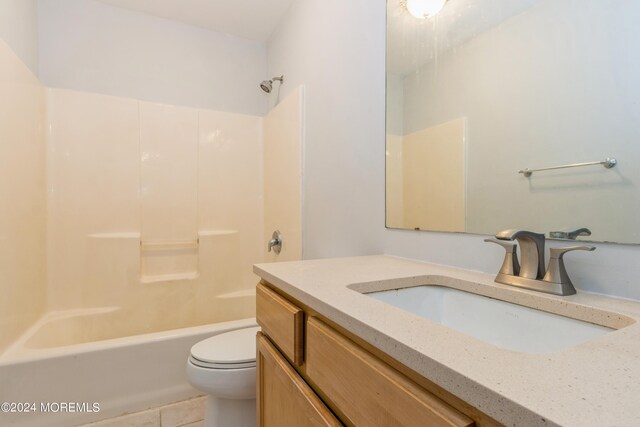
(556, 272)
(510, 264)
(558, 253)
(571, 235)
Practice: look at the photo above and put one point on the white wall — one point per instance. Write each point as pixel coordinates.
(336, 49)
(19, 29)
(90, 46)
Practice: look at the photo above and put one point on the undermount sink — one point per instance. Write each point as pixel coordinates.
(503, 324)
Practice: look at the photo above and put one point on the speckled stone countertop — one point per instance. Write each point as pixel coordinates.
(596, 383)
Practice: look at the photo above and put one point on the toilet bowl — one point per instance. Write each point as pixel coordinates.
(224, 367)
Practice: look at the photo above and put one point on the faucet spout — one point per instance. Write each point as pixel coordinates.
(531, 251)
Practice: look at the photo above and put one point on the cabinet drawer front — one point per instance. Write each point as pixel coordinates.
(283, 398)
(366, 391)
(282, 321)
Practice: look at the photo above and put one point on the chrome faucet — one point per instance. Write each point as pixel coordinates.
(530, 272)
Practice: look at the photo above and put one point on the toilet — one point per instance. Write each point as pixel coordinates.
(224, 367)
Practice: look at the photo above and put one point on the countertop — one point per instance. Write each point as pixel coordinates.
(596, 383)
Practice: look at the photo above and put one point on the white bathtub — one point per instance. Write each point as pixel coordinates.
(121, 375)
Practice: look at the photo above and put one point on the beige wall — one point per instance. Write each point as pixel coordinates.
(155, 209)
(168, 191)
(94, 176)
(426, 178)
(283, 176)
(151, 209)
(395, 182)
(22, 197)
(230, 183)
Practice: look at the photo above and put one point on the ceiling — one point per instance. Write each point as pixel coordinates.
(249, 19)
(413, 42)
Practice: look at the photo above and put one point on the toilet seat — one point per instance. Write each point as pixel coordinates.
(209, 365)
(230, 350)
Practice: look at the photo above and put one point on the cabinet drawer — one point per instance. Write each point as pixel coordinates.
(282, 321)
(283, 398)
(366, 391)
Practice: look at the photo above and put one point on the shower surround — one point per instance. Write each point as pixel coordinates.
(129, 231)
(22, 197)
(152, 208)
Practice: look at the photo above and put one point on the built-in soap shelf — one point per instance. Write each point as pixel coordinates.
(171, 261)
(168, 261)
(169, 277)
(169, 246)
(214, 233)
(117, 235)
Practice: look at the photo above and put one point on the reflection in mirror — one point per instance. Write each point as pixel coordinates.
(488, 88)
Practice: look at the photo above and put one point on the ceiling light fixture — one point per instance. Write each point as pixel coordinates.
(423, 9)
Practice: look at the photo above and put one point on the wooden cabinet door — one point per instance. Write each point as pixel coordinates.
(283, 398)
(365, 391)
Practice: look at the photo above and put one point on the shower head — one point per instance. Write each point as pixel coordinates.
(267, 85)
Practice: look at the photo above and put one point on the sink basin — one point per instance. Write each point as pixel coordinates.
(496, 322)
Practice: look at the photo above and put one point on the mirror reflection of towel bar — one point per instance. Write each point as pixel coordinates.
(608, 163)
(169, 245)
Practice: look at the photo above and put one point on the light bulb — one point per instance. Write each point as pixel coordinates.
(423, 9)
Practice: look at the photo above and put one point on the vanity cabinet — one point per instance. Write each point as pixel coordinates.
(314, 373)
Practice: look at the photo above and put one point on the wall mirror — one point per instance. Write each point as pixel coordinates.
(485, 91)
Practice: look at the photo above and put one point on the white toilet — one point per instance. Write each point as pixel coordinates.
(224, 367)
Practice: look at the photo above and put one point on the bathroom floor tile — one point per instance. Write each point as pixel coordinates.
(149, 418)
(183, 413)
(196, 424)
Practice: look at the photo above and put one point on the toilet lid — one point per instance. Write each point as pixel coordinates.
(230, 350)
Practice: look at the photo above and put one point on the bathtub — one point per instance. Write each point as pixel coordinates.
(65, 358)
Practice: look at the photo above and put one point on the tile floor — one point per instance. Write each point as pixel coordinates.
(188, 413)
